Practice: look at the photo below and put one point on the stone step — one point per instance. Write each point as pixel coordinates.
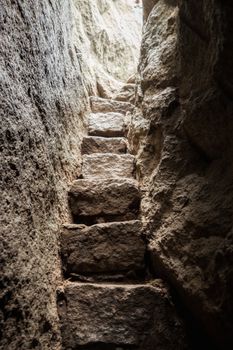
(97, 200)
(106, 124)
(107, 165)
(110, 248)
(96, 144)
(108, 316)
(99, 104)
(126, 94)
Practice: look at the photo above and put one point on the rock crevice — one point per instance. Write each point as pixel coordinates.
(109, 301)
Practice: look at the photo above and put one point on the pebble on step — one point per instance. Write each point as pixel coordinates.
(125, 315)
(106, 124)
(109, 248)
(95, 144)
(107, 165)
(99, 197)
(104, 105)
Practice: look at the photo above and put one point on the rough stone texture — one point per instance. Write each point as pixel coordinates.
(147, 7)
(126, 94)
(41, 106)
(104, 197)
(114, 316)
(104, 105)
(182, 134)
(95, 144)
(111, 248)
(111, 46)
(157, 65)
(106, 124)
(108, 165)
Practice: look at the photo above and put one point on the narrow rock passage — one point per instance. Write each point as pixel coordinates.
(107, 303)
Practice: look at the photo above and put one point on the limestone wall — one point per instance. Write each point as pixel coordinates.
(181, 133)
(108, 36)
(45, 73)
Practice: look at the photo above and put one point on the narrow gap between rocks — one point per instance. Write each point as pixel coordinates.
(116, 175)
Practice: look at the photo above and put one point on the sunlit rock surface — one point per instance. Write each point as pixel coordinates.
(41, 106)
(52, 56)
(108, 39)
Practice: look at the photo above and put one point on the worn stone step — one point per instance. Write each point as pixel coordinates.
(106, 124)
(126, 94)
(96, 144)
(96, 316)
(107, 165)
(98, 200)
(99, 104)
(109, 248)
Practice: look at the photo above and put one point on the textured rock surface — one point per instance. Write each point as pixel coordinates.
(126, 93)
(110, 248)
(182, 136)
(41, 108)
(147, 7)
(115, 315)
(104, 197)
(111, 45)
(106, 124)
(108, 165)
(99, 104)
(92, 144)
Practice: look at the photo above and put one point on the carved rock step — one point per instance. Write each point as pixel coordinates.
(99, 104)
(95, 144)
(125, 315)
(92, 200)
(107, 165)
(126, 94)
(110, 248)
(106, 124)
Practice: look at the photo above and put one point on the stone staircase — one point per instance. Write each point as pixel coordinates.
(106, 302)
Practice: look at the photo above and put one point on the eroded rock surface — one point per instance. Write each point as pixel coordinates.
(42, 102)
(182, 136)
(92, 144)
(126, 94)
(113, 44)
(99, 104)
(99, 197)
(108, 165)
(115, 315)
(47, 69)
(106, 124)
(110, 248)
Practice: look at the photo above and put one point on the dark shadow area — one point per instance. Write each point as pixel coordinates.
(103, 346)
(197, 339)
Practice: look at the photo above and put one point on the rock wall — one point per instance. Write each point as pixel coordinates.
(108, 36)
(41, 106)
(181, 133)
(50, 57)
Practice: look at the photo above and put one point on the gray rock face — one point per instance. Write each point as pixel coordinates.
(102, 105)
(126, 94)
(111, 45)
(108, 165)
(95, 144)
(98, 197)
(41, 105)
(106, 124)
(111, 248)
(147, 7)
(116, 315)
(184, 156)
